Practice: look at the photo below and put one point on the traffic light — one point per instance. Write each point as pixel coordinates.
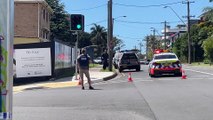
(77, 22)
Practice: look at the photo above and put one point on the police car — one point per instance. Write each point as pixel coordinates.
(165, 63)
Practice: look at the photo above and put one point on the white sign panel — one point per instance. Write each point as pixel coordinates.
(34, 62)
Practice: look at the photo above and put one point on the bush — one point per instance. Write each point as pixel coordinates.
(206, 61)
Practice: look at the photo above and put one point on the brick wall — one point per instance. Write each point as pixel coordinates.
(26, 20)
(27, 23)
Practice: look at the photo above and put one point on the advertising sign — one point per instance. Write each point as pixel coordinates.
(35, 62)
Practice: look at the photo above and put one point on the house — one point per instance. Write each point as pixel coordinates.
(31, 21)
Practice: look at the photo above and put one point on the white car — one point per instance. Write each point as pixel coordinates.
(165, 63)
(97, 60)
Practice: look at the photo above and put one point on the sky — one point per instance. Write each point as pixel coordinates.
(141, 16)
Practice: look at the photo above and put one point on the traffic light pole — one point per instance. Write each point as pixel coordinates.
(76, 56)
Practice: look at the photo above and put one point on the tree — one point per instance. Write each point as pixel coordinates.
(84, 40)
(99, 37)
(208, 48)
(117, 44)
(59, 23)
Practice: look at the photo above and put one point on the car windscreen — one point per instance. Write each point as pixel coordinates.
(129, 56)
(165, 57)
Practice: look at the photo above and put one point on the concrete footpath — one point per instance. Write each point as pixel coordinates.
(95, 73)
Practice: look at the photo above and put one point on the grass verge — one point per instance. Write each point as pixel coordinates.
(201, 64)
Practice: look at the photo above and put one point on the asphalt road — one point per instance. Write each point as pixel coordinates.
(160, 98)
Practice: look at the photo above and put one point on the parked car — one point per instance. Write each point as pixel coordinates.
(97, 60)
(128, 60)
(165, 63)
(116, 58)
(144, 62)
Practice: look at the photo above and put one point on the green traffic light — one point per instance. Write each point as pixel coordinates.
(78, 26)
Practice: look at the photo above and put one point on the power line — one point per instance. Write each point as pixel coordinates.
(90, 8)
(138, 22)
(156, 5)
(128, 37)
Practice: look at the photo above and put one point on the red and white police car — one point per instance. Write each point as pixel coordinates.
(164, 63)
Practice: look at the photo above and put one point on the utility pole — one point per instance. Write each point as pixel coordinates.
(165, 24)
(110, 34)
(154, 38)
(188, 30)
(76, 55)
(147, 39)
(6, 58)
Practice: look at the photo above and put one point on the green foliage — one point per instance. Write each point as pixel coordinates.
(99, 37)
(180, 47)
(59, 23)
(206, 61)
(84, 40)
(208, 48)
(117, 44)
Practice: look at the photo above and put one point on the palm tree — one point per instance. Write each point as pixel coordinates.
(117, 44)
(99, 38)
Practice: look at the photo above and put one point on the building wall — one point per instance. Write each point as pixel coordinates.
(44, 22)
(26, 20)
(32, 22)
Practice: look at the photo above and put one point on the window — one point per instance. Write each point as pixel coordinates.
(165, 57)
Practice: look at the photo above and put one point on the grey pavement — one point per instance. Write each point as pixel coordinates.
(96, 75)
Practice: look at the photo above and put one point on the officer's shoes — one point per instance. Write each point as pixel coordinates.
(91, 88)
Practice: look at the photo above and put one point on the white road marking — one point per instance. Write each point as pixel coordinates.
(200, 72)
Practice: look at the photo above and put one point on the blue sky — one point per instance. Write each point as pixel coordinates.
(147, 14)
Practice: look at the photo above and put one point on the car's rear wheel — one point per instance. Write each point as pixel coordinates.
(178, 74)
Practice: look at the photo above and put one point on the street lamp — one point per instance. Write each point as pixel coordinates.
(113, 20)
(175, 13)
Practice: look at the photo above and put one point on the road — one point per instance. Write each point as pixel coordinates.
(160, 98)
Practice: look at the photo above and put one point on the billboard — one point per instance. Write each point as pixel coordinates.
(34, 62)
